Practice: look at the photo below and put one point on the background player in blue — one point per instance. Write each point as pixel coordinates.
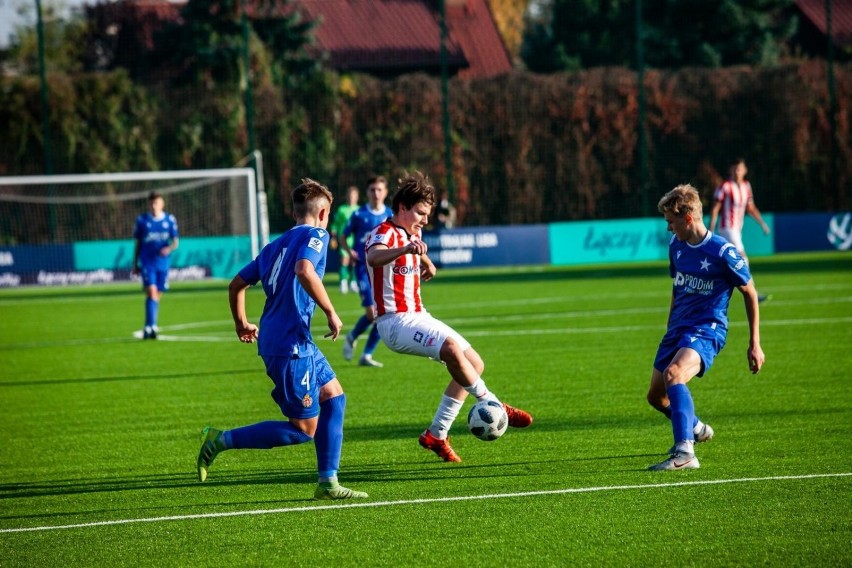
(706, 268)
(365, 219)
(156, 235)
(291, 270)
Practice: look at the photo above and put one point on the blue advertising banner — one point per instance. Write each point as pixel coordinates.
(224, 256)
(796, 232)
(489, 246)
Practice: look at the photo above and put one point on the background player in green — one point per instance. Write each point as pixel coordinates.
(291, 268)
(341, 218)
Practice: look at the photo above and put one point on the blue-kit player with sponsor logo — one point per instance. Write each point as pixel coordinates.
(290, 270)
(156, 235)
(706, 269)
(361, 223)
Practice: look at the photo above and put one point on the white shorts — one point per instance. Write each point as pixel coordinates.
(734, 237)
(417, 334)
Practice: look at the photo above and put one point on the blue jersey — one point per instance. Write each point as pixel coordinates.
(285, 325)
(705, 276)
(361, 223)
(154, 235)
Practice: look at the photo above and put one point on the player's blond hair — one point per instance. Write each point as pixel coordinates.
(680, 201)
(309, 197)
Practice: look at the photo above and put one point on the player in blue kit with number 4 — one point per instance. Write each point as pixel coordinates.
(156, 235)
(706, 268)
(305, 386)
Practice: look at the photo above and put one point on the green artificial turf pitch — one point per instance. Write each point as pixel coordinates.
(99, 432)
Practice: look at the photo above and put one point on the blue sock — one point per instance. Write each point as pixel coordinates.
(329, 436)
(683, 412)
(667, 410)
(151, 309)
(264, 435)
(372, 341)
(360, 326)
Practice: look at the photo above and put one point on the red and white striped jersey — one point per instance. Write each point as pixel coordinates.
(735, 197)
(396, 285)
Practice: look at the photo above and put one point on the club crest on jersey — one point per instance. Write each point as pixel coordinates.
(315, 244)
(307, 401)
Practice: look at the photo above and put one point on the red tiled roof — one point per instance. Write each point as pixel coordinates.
(405, 35)
(841, 18)
(471, 24)
(370, 35)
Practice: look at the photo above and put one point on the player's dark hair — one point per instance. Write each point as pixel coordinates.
(412, 189)
(309, 197)
(737, 161)
(680, 201)
(155, 195)
(377, 179)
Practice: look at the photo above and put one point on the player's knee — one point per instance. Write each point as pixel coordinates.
(451, 353)
(675, 375)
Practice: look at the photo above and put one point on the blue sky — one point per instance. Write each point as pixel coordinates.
(10, 13)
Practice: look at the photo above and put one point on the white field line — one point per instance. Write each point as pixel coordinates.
(363, 505)
(228, 337)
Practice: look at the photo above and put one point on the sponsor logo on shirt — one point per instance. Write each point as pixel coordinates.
(693, 285)
(404, 270)
(315, 244)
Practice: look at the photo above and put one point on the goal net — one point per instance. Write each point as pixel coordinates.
(79, 228)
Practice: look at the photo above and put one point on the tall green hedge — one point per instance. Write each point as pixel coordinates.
(526, 148)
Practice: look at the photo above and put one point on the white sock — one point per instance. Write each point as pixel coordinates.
(480, 391)
(698, 426)
(445, 416)
(686, 447)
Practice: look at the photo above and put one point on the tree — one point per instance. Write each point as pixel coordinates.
(575, 34)
(509, 18)
(63, 35)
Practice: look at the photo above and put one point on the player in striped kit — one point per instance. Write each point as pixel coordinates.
(397, 261)
(731, 201)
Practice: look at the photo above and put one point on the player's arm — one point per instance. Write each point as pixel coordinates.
(714, 213)
(427, 268)
(752, 210)
(170, 248)
(755, 354)
(311, 282)
(136, 249)
(246, 331)
(380, 255)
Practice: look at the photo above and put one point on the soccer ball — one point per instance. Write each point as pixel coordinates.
(487, 420)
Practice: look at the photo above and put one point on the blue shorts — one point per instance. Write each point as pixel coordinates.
(297, 383)
(153, 277)
(706, 341)
(364, 288)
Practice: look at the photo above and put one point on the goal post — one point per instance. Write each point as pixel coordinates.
(74, 228)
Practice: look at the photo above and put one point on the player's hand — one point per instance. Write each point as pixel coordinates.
(417, 247)
(756, 358)
(247, 333)
(334, 325)
(427, 271)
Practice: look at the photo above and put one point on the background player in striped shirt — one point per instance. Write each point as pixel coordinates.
(397, 260)
(731, 201)
(705, 269)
